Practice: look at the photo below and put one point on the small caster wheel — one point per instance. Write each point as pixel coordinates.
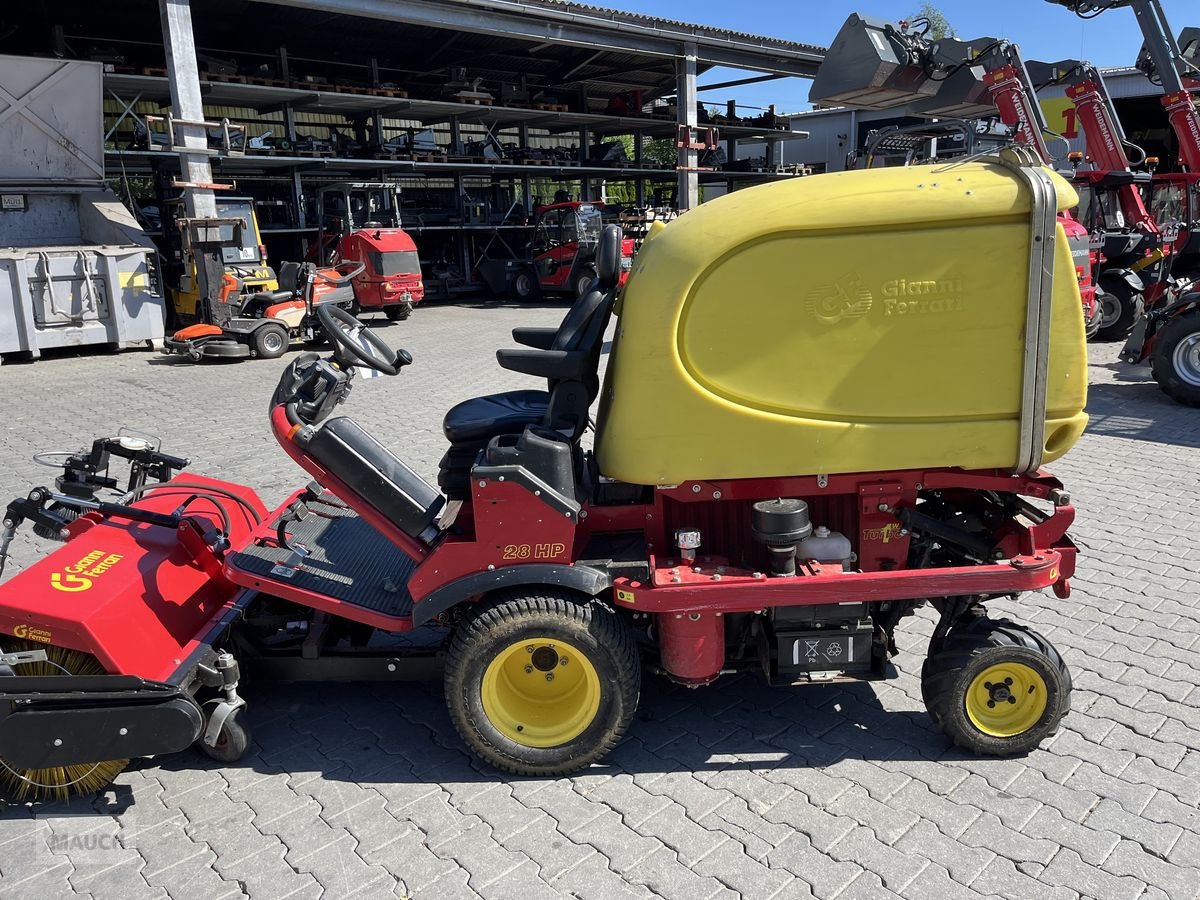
(234, 739)
(996, 688)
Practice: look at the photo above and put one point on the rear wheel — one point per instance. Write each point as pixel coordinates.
(1119, 306)
(525, 285)
(995, 687)
(398, 312)
(270, 341)
(1175, 363)
(542, 683)
(583, 281)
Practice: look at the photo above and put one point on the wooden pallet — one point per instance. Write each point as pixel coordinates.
(473, 101)
(263, 80)
(411, 157)
(154, 71)
(395, 93)
(535, 162)
(225, 79)
(551, 107)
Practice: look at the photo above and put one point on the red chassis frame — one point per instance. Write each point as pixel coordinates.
(507, 526)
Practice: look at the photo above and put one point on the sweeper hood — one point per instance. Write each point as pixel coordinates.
(852, 322)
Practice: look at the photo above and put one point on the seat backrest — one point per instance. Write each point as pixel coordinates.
(608, 257)
(289, 276)
(570, 399)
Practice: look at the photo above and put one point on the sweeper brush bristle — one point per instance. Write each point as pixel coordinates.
(59, 782)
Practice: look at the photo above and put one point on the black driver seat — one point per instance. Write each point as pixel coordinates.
(567, 356)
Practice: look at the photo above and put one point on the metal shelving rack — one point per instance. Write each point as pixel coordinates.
(601, 51)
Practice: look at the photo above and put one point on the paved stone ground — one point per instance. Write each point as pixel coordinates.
(735, 790)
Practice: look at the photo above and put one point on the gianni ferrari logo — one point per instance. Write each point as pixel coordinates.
(79, 577)
(30, 633)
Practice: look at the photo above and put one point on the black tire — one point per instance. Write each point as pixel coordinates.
(583, 281)
(969, 651)
(550, 620)
(1175, 362)
(233, 741)
(525, 285)
(1091, 327)
(398, 312)
(270, 341)
(1120, 305)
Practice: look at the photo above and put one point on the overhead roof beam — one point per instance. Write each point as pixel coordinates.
(582, 62)
(738, 82)
(571, 26)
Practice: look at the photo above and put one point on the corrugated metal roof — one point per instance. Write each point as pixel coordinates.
(651, 22)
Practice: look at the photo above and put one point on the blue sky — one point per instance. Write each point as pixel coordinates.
(1043, 30)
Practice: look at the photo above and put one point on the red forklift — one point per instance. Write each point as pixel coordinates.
(1175, 196)
(1133, 263)
(360, 225)
(1168, 332)
(563, 251)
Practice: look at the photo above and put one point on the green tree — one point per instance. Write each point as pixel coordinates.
(939, 26)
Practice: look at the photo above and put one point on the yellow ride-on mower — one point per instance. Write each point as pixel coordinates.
(776, 485)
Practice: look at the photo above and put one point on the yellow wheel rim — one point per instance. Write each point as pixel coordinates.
(540, 692)
(1006, 699)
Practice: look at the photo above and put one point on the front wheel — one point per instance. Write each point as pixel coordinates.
(1175, 362)
(234, 739)
(995, 687)
(1119, 305)
(542, 682)
(270, 341)
(583, 281)
(1091, 325)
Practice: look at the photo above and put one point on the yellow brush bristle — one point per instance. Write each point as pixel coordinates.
(57, 783)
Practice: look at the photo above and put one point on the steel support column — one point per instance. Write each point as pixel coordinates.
(688, 193)
(183, 75)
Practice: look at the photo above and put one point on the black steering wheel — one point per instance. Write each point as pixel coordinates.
(364, 346)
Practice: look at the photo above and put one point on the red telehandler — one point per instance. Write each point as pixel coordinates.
(1168, 334)
(1133, 264)
(873, 64)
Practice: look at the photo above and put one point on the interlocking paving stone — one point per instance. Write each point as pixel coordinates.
(831, 791)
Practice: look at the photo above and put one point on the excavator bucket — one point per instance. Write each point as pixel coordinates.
(1189, 51)
(962, 95)
(1189, 45)
(868, 67)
